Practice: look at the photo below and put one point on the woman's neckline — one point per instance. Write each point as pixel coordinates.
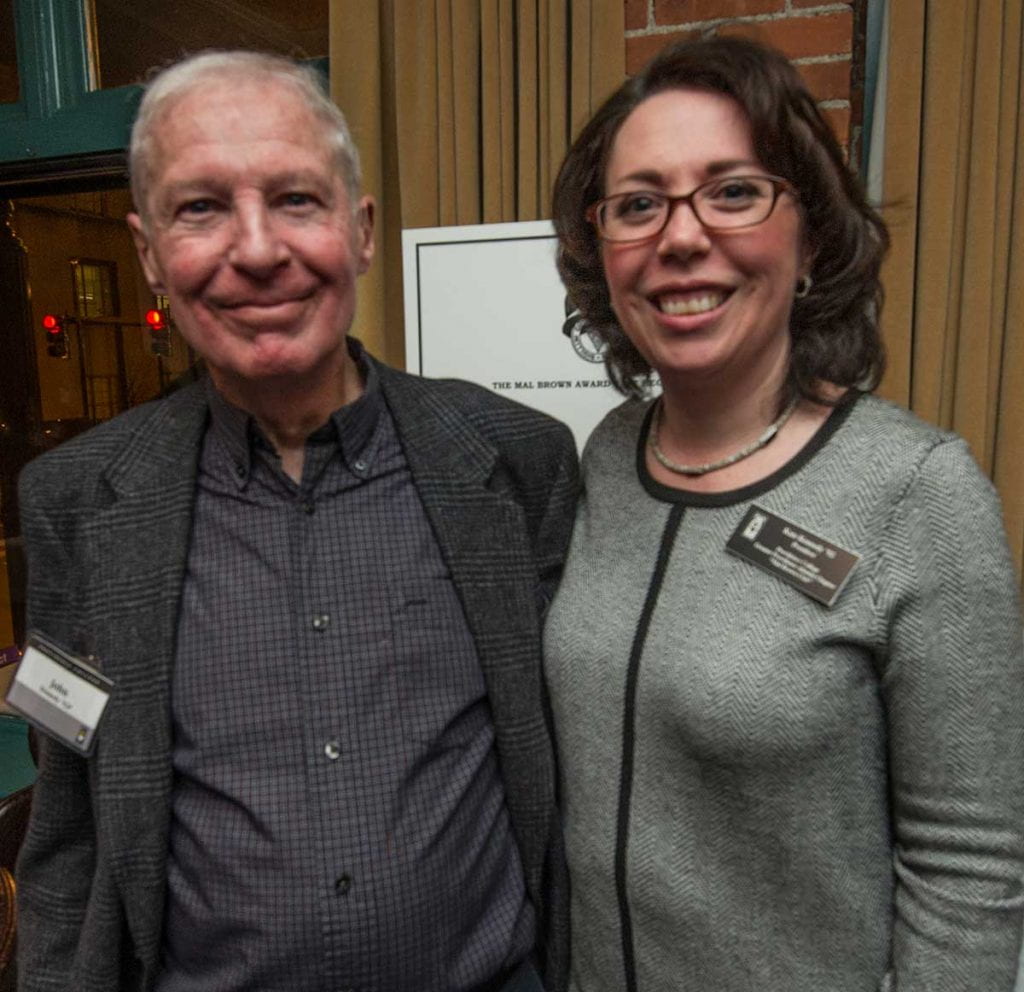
(689, 497)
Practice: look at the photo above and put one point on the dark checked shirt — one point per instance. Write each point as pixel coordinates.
(339, 821)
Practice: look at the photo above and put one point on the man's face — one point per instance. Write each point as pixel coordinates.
(251, 234)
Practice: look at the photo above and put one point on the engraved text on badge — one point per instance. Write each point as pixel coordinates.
(813, 565)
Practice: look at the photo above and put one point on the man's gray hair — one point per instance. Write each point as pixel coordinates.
(180, 78)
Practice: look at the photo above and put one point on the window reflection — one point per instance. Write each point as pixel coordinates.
(72, 257)
(95, 287)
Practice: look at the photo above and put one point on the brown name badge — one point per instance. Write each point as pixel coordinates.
(815, 566)
(59, 693)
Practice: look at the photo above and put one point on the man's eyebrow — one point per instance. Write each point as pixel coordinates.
(189, 187)
(300, 177)
(213, 184)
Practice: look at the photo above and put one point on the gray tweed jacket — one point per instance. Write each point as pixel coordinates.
(106, 521)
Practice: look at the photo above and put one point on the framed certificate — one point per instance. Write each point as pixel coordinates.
(485, 303)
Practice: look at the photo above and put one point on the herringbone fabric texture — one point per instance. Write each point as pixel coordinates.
(822, 799)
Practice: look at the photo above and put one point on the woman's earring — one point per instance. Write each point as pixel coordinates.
(803, 287)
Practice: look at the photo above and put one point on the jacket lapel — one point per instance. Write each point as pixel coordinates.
(138, 552)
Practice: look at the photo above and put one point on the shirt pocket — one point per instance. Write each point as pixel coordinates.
(442, 697)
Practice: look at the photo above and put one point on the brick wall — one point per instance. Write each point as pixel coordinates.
(820, 38)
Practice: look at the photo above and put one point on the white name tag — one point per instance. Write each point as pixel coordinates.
(60, 694)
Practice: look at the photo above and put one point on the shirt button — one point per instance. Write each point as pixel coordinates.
(359, 466)
(342, 884)
(321, 621)
(333, 750)
(308, 506)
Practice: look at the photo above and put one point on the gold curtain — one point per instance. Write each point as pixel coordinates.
(462, 110)
(953, 188)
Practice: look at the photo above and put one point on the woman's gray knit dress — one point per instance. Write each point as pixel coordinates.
(765, 794)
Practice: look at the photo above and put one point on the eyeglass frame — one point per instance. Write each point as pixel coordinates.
(779, 186)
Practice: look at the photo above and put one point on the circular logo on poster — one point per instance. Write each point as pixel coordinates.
(586, 342)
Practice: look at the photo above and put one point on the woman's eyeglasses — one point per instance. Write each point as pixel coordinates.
(720, 205)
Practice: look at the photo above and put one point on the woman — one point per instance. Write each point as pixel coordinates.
(786, 656)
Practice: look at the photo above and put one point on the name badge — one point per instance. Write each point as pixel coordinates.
(813, 565)
(60, 694)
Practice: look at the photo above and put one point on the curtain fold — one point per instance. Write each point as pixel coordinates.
(953, 194)
(462, 110)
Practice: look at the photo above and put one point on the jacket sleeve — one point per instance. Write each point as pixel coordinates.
(55, 864)
(953, 687)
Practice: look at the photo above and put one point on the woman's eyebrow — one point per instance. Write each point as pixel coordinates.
(653, 177)
(729, 164)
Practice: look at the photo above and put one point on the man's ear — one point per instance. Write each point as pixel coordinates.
(363, 244)
(150, 267)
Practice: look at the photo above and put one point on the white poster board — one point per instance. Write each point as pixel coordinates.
(485, 303)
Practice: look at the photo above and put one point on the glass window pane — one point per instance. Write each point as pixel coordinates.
(9, 88)
(132, 37)
(95, 288)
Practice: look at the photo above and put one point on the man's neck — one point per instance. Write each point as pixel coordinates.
(288, 411)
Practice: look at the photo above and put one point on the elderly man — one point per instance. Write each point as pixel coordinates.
(315, 584)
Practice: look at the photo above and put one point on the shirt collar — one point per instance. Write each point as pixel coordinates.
(350, 427)
(355, 422)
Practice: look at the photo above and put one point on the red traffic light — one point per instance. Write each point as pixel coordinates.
(56, 336)
(159, 332)
(156, 320)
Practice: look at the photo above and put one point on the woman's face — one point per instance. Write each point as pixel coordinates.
(698, 304)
